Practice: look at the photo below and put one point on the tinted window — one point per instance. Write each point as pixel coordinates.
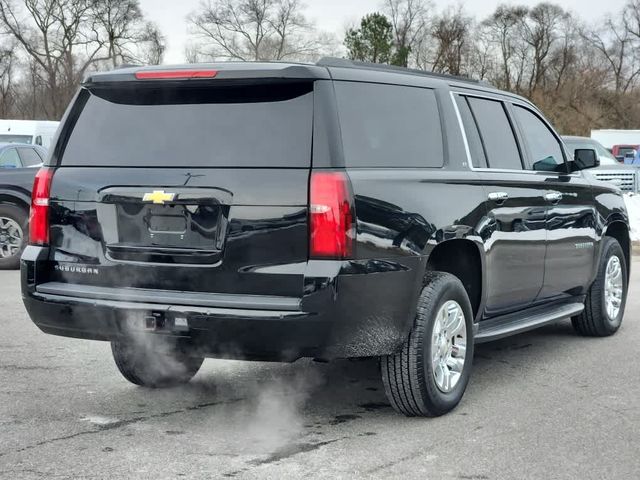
(226, 126)
(9, 159)
(473, 135)
(496, 133)
(29, 157)
(543, 146)
(389, 126)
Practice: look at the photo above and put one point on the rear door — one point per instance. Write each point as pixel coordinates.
(571, 216)
(515, 235)
(178, 187)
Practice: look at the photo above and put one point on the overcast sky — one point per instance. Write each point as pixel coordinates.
(336, 15)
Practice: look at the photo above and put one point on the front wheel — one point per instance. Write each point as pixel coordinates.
(606, 299)
(428, 377)
(154, 362)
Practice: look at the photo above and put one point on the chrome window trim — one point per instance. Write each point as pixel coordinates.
(463, 131)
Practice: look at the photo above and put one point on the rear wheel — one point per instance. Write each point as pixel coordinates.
(155, 362)
(604, 306)
(13, 232)
(430, 374)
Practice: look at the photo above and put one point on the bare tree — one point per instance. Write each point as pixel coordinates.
(503, 29)
(62, 39)
(7, 80)
(631, 14)
(564, 61)
(482, 63)
(540, 34)
(410, 22)
(618, 49)
(59, 36)
(154, 45)
(253, 30)
(127, 37)
(451, 33)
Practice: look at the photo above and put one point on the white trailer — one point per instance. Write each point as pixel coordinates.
(35, 132)
(609, 138)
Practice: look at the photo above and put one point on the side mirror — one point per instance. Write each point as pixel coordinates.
(583, 159)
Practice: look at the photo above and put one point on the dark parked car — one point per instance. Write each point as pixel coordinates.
(18, 166)
(277, 211)
(609, 170)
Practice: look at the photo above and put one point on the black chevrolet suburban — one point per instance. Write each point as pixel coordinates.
(270, 211)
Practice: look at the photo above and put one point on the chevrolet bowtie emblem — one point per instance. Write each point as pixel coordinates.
(159, 197)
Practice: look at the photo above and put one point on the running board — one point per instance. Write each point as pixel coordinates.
(519, 322)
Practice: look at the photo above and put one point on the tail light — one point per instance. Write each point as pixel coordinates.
(39, 217)
(332, 223)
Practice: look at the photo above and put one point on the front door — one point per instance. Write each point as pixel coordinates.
(571, 216)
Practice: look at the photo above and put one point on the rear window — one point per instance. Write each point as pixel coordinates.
(225, 126)
(389, 126)
(29, 157)
(498, 139)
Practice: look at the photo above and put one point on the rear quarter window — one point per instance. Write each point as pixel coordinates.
(389, 126)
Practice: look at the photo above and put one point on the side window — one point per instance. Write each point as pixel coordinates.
(498, 140)
(9, 159)
(544, 148)
(29, 157)
(389, 125)
(39, 140)
(478, 158)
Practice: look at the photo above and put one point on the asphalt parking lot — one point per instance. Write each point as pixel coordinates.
(548, 404)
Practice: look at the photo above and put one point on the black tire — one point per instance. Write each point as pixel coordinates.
(408, 376)
(19, 216)
(594, 321)
(154, 362)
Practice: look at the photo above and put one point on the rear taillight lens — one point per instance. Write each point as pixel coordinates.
(332, 223)
(39, 217)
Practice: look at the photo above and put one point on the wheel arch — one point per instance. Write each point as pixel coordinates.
(619, 229)
(16, 198)
(464, 258)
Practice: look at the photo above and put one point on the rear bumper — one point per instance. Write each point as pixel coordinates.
(350, 309)
(212, 332)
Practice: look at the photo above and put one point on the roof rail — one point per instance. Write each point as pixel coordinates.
(346, 63)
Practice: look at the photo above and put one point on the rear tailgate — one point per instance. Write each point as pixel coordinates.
(185, 188)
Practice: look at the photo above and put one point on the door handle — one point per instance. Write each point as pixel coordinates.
(498, 196)
(553, 197)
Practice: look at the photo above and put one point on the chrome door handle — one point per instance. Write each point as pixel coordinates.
(553, 197)
(498, 196)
